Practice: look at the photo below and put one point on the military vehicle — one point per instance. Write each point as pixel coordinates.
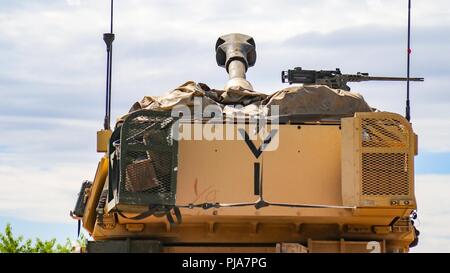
(310, 168)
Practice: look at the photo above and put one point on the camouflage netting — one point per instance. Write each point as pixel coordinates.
(317, 99)
(307, 99)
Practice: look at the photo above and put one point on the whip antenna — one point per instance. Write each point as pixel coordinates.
(408, 107)
(109, 38)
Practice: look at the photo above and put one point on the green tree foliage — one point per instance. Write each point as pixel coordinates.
(11, 244)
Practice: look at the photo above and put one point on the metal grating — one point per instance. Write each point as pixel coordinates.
(385, 160)
(383, 133)
(385, 174)
(148, 158)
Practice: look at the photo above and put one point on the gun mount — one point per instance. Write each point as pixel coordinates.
(333, 78)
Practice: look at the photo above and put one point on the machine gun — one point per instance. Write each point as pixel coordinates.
(333, 78)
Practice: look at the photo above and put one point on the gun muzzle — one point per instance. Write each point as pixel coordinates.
(236, 53)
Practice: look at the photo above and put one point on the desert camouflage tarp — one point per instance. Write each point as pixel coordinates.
(294, 100)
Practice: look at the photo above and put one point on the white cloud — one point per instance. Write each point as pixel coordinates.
(432, 192)
(43, 164)
(42, 195)
(46, 142)
(434, 134)
(73, 2)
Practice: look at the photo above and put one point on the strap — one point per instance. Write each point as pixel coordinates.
(178, 214)
(178, 217)
(151, 211)
(170, 218)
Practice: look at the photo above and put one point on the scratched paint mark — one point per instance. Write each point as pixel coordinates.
(202, 194)
(196, 187)
(211, 196)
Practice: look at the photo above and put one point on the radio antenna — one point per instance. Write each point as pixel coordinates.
(408, 107)
(109, 38)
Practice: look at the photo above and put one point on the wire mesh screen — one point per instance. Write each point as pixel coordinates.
(385, 174)
(385, 159)
(388, 133)
(148, 158)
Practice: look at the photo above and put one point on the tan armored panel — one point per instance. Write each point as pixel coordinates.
(215, 171)
(377, 161)
(303, 168)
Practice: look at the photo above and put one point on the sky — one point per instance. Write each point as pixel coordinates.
(52, 78)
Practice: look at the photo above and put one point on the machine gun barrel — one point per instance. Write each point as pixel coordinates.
(333, 78)
(360, 77)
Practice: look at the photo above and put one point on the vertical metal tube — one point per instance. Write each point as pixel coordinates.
(236, 69)
(408, 108)
(109, 87)
(112, 15)
(109, 38)
(106, 124)
(236, 73)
